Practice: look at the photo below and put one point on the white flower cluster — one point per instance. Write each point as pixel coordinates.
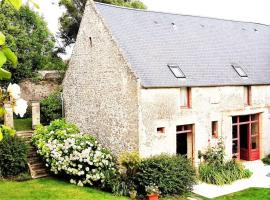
(77, 155)
(19, 105)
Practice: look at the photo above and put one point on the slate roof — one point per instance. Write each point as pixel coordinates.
(204, 48)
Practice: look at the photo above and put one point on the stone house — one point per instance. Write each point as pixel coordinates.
(159, 82)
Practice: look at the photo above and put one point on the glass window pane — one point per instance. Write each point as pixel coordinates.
(254, 142)
(254, 129)
(244, 118)
(254, 117)
(177, 72)
(234, 132)
(235, 147)
(240, 71)
(234, 120)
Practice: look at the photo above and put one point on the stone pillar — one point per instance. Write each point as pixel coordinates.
(35, 114)
(8, 117)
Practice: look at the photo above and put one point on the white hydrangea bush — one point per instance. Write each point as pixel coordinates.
(66, 151)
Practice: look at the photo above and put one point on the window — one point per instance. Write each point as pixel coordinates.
(161, 130)
(214, 129)
(177, 72)
(240, 71)
(247, 95)
(185, 97)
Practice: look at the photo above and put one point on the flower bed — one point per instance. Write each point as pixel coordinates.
(78, 156)
(216, 170)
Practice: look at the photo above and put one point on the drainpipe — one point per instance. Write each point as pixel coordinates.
(62, 103)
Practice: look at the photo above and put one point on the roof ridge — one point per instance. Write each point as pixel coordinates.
(171, 13)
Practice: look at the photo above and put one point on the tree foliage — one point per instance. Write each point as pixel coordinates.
(70, 21)
(27, 35)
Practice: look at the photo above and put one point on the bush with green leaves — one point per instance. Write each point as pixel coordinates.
(216, 170)
(77, 156)
(266, 160)
(122, 182)
(51, 108)
(13, 153)
(172, 174)
(27, 35)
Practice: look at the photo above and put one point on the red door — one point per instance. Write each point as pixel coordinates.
(245, 137)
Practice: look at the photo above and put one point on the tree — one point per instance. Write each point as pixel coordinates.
(5, 52)
(70, 21)
(27, 35)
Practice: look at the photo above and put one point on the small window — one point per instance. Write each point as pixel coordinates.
(185, 97)
(161, 130)
(214, 129)
(177, 72)
(247, 95)
(240, 71)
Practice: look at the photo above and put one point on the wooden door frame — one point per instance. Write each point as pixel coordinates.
(192, 132)
(249, 135)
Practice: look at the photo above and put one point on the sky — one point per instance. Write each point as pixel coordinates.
(241, 10)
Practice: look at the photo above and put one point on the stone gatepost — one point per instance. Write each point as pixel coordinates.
(35, 114)
(8, 117)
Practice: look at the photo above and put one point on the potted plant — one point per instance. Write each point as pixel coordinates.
(152, 192)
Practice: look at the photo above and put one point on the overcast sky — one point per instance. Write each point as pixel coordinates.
(242, 10)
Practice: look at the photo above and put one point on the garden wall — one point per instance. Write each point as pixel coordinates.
(36, 90)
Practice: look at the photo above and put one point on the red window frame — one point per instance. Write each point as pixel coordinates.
(253, 154)
(214, 129)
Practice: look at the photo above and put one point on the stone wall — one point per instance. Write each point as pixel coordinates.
(161, 108)
(35, 91)
(100, 90)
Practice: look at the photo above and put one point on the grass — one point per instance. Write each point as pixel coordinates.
(49, 188)
(23, 124)
(249, 194)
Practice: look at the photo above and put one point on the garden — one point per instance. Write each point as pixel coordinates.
(79, 165)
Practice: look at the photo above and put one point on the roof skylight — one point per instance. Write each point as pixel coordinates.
(240, 71)
(177, 72)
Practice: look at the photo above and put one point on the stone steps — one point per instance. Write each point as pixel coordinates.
(36, 165)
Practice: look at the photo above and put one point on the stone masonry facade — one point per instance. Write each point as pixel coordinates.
(161, 108)
(100, 90)
(103, 96)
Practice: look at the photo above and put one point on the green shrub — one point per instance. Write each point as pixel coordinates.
(72, 154)
(216, 170)
(266, 160)
(122, 182)
(13, 153)
(172, 174)
(51, 108)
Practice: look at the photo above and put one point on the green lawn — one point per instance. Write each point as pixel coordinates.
(51, 188)
(249, 194)
(23, 124)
